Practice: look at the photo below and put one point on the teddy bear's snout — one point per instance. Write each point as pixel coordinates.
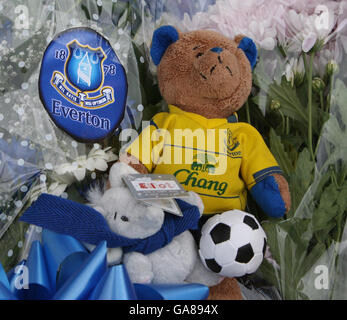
(218, 69)
(217, 49)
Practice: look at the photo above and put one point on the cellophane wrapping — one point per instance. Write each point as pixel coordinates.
(298, 103)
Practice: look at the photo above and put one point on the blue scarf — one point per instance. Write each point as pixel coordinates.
(88, 225)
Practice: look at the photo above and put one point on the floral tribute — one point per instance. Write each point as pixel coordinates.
(298, 103)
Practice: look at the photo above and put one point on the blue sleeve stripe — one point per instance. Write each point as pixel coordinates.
(152, 123)
(261, 175)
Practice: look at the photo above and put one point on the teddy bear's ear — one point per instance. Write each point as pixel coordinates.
(163, 37)
(249, 48)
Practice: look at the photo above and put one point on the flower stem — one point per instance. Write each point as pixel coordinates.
(321, 100)
(283, 122)
(248, 112)
(287, 126)
(309, 107)
(331, 84)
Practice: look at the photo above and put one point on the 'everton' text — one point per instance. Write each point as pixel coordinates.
(80, 116)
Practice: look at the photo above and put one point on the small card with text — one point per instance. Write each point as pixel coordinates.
(159, 190)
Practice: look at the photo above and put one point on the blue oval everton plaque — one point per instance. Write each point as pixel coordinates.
(83, 85)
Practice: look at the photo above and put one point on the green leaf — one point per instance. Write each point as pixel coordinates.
(9, 244)
(270, 229)
(335, 130)
(279, 153)
(301, 178)
(90, 8)
(260, 100)
(269, 273)
(311, 259)
(135, 19)
(290, 103)
(342, 199)
(118, 10)
(327, 209)
(260, 78)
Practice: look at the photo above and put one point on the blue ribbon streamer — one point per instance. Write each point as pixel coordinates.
(40, 284)
(64, 253)
(115, 285)
(81, 283)
(84, 278)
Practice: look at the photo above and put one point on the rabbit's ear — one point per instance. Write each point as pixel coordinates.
(117, 172)
(94, 196)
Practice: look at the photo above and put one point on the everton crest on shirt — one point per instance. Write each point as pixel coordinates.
(83, 85)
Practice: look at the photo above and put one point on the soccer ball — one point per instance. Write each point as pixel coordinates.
(232, 244)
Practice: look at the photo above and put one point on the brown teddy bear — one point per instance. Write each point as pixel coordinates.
(206, 78)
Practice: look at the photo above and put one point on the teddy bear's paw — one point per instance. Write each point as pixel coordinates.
(139, 268)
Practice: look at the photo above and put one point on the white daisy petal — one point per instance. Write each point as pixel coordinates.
(101, 165)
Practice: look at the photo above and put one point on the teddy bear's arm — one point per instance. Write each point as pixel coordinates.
(272, 195)
(262, 174)
(284, 190)
(133, 162)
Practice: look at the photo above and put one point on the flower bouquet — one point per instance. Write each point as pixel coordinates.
(298, 103)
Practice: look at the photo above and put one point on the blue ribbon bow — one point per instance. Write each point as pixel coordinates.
(81, 276)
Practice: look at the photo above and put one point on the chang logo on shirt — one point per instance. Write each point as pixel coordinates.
(200, 175)
(204, 162)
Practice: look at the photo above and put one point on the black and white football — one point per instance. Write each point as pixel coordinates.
(232, 244)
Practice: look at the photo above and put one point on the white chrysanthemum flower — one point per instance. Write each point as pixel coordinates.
(305, 30)
(97, 159)
(295, 70)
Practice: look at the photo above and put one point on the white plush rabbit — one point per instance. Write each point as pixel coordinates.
(177, 262)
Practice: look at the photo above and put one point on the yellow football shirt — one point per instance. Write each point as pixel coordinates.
(217, 158)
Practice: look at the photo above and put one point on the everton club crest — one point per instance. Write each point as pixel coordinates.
(83, 85)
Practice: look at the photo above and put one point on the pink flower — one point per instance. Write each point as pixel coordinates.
(295, 24)
(307, 27)
(260, 20)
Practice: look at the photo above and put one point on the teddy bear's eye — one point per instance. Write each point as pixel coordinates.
(197, 47)
(124, 218)
(199, 54)
(228, 68)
